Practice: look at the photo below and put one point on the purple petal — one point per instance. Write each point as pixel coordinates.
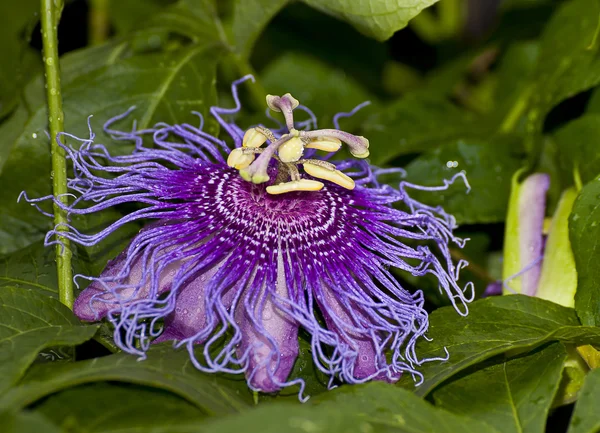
(532, 210)
(111, 291)
(189, 317)
(366, 363)
(268, 337)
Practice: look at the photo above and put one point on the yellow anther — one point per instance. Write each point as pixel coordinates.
(334, 176)
(328, 144)
(291, 150)
(253, 138)
(238, 159)
(295, 185)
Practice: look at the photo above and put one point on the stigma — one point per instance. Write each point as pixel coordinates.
(261, 146)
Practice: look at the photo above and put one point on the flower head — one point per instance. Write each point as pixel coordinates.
(251, 244)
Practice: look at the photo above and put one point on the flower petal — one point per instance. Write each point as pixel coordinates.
(532, 209)
(189, 317)
(269, 337)
(367, 363)
(110, 291)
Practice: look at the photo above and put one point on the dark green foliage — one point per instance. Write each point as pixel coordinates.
(524, 96)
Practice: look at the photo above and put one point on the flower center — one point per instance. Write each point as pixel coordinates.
(288, 150)
(237, 209)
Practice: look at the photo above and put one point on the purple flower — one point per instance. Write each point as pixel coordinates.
(245, 249)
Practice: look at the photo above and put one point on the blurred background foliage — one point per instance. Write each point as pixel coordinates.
(481, 86)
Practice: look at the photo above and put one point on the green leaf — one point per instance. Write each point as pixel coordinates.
(165, 87)
(33, 267)
(195, 19)
(21, 225)
(379, 19)
(586, 417)
(249, 18)
(295, 30)
(108, 407)
(414, 124)
(427, 118)
(568, 61)
(318, 86)
(26, 422)
(373, 407)
(29, 323)
(488, 165)
(18, 61)
(494, 325)
(126, 15)
(577, 144)
(584, 232)
(514, 396)
(514, 85)
(165, 368)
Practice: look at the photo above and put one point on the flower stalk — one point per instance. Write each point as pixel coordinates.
(50, 16)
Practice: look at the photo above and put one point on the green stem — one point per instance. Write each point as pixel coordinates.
(577, 179)
(50, 15)
(516, 112)
(451, 16)
(98, 21)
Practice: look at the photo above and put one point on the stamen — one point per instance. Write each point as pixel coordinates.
(288, 148)
(335, 176)
(254, 138)
(257, 172)
(239, 159)
(328, 144)
(295, 185)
